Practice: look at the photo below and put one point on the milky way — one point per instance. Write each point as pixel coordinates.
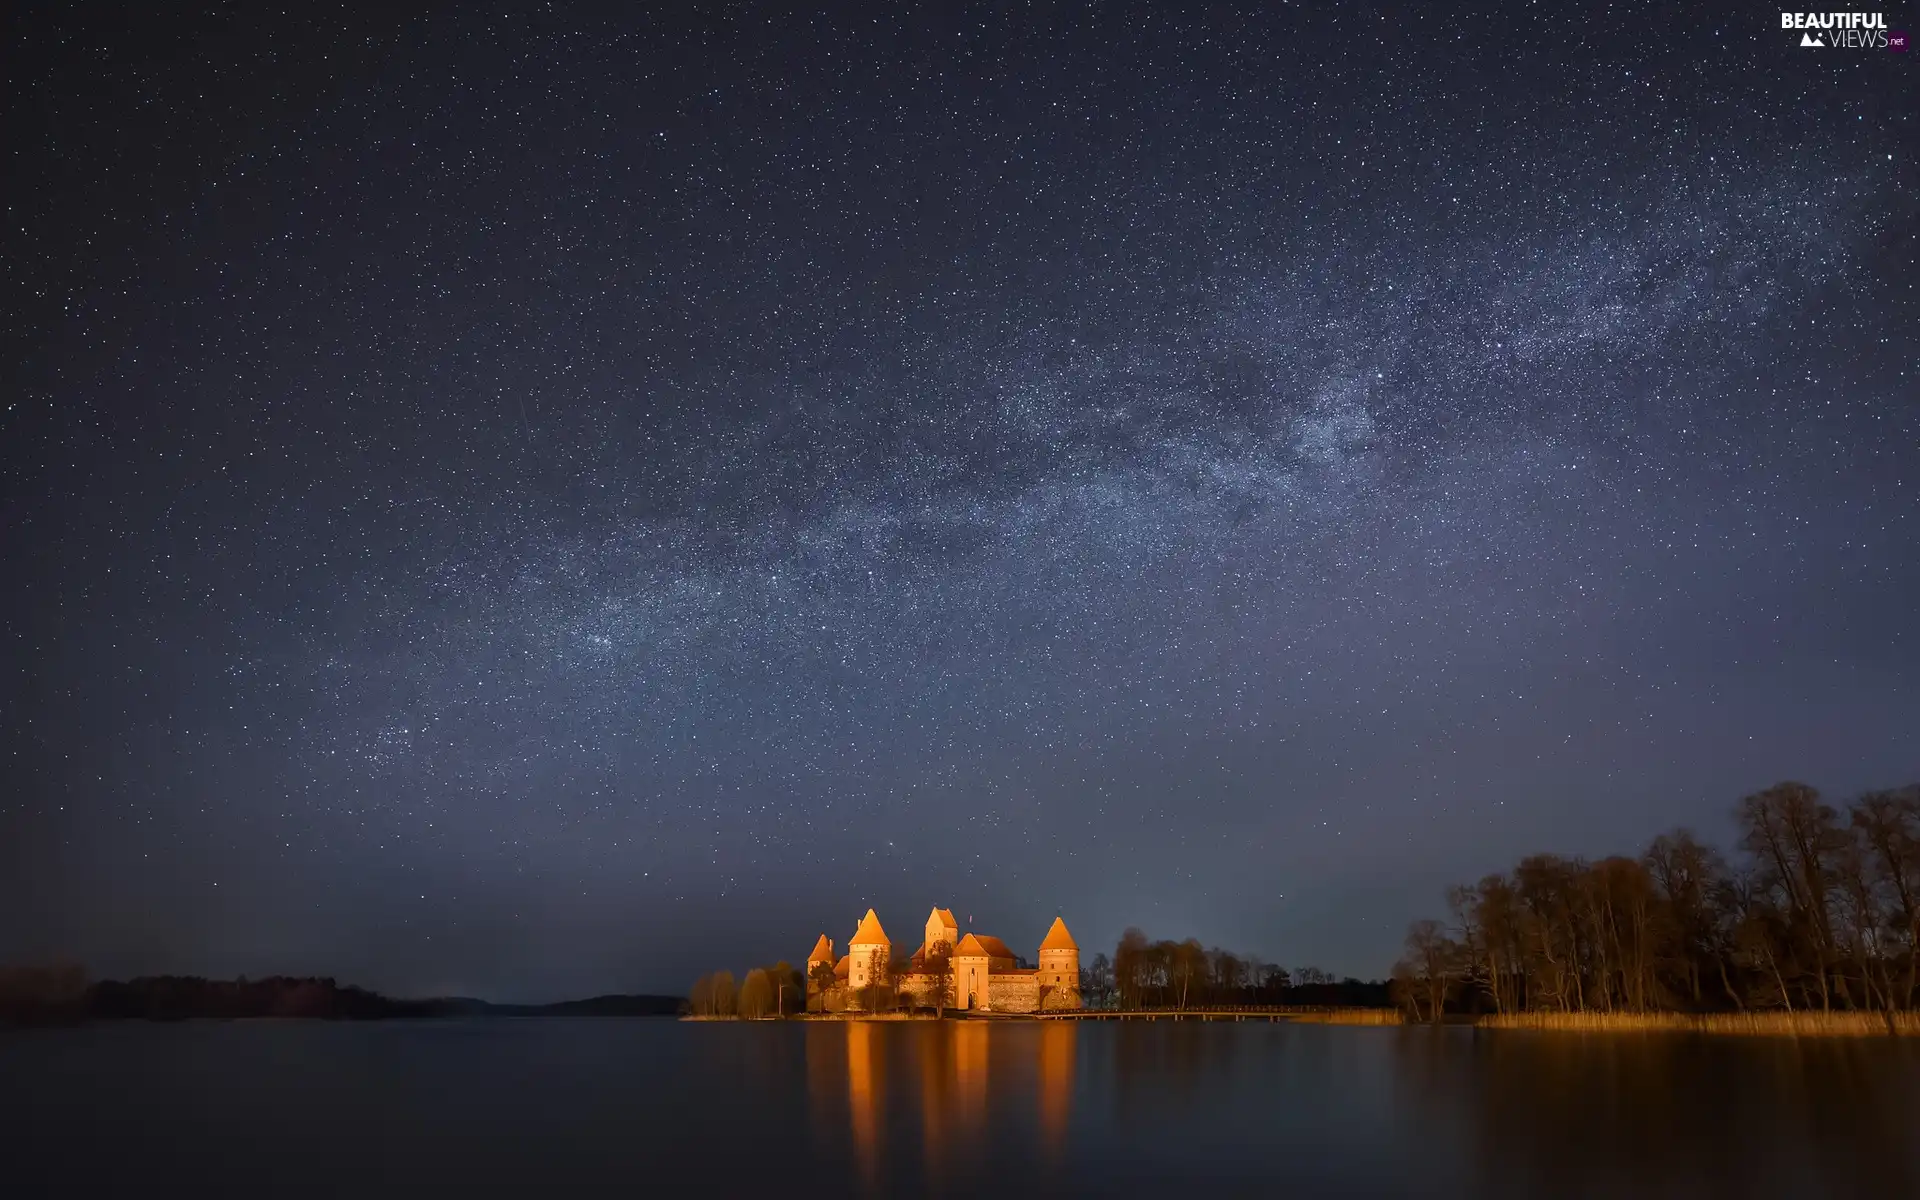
(527, 506)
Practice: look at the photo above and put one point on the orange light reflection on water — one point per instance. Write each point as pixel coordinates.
(950, 1069)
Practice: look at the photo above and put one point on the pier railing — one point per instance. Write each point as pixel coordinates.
(1324, 1014)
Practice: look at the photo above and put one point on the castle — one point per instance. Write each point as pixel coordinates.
(975, 972)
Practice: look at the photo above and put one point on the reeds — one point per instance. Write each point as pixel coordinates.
(1774, 1024)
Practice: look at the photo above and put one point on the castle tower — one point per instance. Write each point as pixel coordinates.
(1059, 968)
(867, 953)
(943, 932)
(822, 953)
(971, 963)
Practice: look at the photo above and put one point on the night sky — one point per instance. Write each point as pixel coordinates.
(528, 505)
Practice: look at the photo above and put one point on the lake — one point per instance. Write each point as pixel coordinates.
(552, 1107)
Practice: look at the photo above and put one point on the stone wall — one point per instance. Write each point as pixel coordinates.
(1052, 999)
(1013, 993)
(834, 999)
(1006, 993)
(919, 988)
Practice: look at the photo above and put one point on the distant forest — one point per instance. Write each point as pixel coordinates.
(1144, 974)
(62, 993)
(1817, 911)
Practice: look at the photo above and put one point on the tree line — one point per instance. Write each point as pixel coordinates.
(1816, 910)
(62, 993)
(1145, 974)
(783, 991)
(775, 991)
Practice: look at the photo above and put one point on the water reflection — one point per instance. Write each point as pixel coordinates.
(1129, 1108)
(866, 1095)
(970, 1093)
(1057, 1041)
(962, 1108)
(1665, 1115)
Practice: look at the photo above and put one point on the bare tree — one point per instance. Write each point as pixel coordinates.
(756, 995)
(1888, 826)
(789, 989)
(1794, 840)
(938, 969)
(1428, 968)
(723, 994)
(1227, 977)
(1686, 875)
(1188, 963)
(1097, 981)
(1130, 968)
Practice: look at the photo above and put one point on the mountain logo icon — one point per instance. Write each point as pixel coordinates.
(1808, 39)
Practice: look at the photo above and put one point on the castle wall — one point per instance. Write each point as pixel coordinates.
(919, 988)
(1053, 999)
(1014, 993)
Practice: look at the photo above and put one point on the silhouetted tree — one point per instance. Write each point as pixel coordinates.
(1427, 971)
(1130, 968)
(1186, 964)
(1096, 981)
(821, 979)
(789, 988)
(1822, 912)
(1887, 825)
(938, 992)
(1686, 876)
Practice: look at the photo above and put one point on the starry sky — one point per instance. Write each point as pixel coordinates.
(535, 503)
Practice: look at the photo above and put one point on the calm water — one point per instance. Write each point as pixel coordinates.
(563, 1107)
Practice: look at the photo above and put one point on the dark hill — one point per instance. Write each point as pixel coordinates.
(39, 995)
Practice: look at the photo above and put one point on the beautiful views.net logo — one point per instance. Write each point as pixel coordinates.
(1848, 30)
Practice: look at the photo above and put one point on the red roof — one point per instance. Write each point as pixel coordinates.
(870, 933)
(822, 951)
(995, 947)
(981, 945)
(1058, 938)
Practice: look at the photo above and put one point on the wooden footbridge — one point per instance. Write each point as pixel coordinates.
(1304, 1014)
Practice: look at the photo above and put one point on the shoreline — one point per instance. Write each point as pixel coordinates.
(1359, 1016)
(1761, 1024)
(1764, 1024)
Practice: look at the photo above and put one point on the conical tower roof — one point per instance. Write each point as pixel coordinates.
(822, 951)
(1058, 938)
(870, 933)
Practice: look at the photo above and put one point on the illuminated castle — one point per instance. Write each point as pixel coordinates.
(984, 975)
